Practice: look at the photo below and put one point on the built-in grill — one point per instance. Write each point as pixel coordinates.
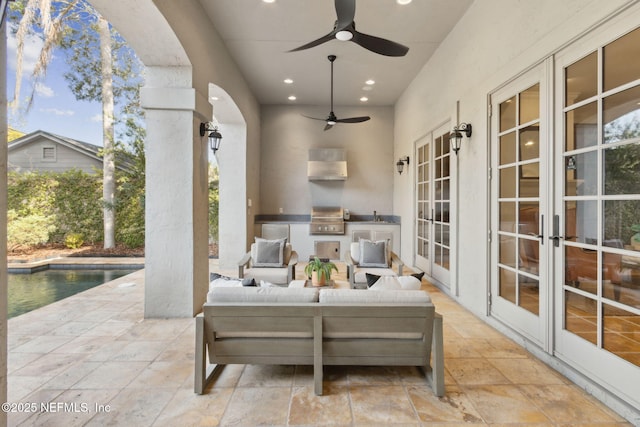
(326, 220)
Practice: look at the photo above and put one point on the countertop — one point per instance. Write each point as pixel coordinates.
(305, 219)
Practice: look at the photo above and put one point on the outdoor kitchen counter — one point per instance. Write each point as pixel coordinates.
(304, 242)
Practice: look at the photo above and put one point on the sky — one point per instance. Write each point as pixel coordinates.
(54, 108)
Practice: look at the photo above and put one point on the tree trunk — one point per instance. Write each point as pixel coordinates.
(109, 181)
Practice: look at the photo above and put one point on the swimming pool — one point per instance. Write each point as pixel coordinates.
(27, 292)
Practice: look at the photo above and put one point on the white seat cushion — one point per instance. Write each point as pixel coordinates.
(260, 294)
(333, 296)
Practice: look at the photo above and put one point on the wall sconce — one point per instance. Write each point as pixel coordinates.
(455, 137)
(214, 137)
(400, 163)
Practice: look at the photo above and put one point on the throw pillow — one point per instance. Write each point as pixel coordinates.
(371, 279)
(373, 254)
(265, 284)
(386, 283)
(268, 253)
(418, 275)
(219, 281)
(409, 282)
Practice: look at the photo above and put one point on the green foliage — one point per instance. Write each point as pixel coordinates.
(130, 196)
(29, 230)
(214, 202)
(622, 177)
(49, 207)
(323, 268)
(74, 240)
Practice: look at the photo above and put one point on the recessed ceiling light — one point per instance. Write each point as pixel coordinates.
(269, 1)
(292, 98)
(214, 98)
(370, 82)
(288, 81)
(403, 2)
(364, 99)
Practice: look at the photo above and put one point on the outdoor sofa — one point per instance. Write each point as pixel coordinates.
(307, 326)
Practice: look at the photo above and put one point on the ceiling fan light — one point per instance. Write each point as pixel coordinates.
(331, 122)
(344, 35)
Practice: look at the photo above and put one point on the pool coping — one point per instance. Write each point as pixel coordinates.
(76, 263)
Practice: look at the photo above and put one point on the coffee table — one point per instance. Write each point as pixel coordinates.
(307, 284)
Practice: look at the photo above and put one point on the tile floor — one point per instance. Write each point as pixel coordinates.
(93, 360)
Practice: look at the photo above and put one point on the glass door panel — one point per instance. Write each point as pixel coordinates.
(433, 185)
(517, 272)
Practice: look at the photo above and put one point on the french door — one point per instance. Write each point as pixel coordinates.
(597, 246)
(565, 223)
(433, 204)
(520, 286)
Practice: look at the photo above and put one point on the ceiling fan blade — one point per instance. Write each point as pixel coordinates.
(328, 126)
(379, 45)
(314, 118)
(354, 119)
(346, 12)
(321, 40)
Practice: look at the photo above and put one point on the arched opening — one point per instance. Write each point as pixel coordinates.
(233, 128)
(176, 98)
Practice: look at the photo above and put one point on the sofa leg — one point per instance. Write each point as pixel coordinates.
(317, 355)
(200, 357)
(435, 375)
(203, 372)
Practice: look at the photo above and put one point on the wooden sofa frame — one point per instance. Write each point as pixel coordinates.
(318, 334)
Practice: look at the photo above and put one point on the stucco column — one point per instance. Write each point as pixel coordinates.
(176, 244)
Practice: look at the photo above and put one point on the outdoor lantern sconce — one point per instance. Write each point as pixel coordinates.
(400, 163)
(455, 137)
(214, 137)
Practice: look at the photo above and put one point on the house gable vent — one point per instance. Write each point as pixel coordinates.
(49, 154)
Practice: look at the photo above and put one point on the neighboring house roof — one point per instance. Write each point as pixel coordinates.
(13, 134)
(89, 150)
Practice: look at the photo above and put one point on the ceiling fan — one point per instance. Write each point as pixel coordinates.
(332, 119)
(345, 29)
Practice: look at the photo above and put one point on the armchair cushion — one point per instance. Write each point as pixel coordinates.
(373, 254)
(268, 253)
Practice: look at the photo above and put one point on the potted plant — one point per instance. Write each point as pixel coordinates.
(319, 271)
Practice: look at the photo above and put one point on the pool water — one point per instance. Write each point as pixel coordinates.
(30, 291)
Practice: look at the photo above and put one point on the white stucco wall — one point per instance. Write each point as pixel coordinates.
(212, 64)
(287, 137)
(494, 42)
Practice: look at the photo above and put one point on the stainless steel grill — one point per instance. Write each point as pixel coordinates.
(326, 220)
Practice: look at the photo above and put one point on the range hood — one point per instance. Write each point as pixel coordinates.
(327, 164)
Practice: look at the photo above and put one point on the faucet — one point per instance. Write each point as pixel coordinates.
(375, 216)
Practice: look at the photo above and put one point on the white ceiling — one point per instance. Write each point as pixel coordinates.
(258, 36)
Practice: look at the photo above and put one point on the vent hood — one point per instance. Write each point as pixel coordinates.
(327, 164)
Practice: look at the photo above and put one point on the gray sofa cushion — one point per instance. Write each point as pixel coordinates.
(260, 294)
